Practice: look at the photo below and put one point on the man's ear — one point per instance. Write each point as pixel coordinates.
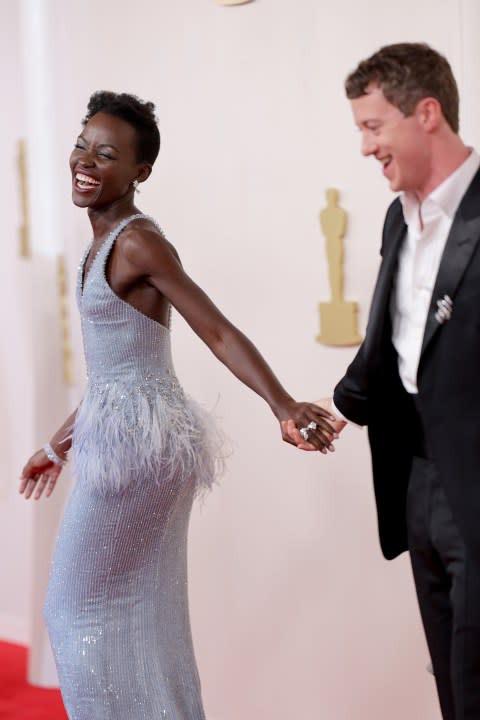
(429, 113)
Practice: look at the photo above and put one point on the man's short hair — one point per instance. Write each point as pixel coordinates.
(406, 73)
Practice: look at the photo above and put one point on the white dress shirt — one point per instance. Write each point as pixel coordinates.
(428, 226)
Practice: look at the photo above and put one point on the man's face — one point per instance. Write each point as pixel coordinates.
(399, 143)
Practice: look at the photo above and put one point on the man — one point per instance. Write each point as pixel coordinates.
(415, 381)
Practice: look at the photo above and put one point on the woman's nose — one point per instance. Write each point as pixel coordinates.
(87, 159)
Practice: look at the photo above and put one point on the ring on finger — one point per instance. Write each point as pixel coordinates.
(304, 433)
(312, 425)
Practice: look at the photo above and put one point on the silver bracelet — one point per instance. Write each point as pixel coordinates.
(52, 455)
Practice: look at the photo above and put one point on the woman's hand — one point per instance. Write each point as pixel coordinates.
(291, 429)
(317, 422)
(39, 474)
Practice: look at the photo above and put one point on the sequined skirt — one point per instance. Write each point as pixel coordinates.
(117, 606)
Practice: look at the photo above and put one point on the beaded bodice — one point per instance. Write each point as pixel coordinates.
(134, 423)
(120, 342)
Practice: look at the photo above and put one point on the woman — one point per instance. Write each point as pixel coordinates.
(117, 608)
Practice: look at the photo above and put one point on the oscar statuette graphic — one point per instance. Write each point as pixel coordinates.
(65, 321)
(24, 231)
(338, 318)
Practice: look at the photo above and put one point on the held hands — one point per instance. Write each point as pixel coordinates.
(291, 429)
(317, 423)
(39, 473)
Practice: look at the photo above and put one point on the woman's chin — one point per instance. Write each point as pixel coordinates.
(80, 202)
(83, 200)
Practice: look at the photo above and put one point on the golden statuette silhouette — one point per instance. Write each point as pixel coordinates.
(338, 318)
(24, 231)
(67, 354)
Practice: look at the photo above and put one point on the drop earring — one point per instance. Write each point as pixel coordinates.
(135, 185)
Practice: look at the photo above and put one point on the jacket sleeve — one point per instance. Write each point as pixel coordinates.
(352, 392)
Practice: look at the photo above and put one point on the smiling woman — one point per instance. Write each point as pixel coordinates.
(97, 162)
(117, 606)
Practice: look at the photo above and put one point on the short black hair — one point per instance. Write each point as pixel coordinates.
(138, 113)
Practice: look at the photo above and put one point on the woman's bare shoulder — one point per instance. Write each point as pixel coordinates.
(143, 241)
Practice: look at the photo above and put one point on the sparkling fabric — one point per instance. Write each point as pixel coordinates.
(117, 605)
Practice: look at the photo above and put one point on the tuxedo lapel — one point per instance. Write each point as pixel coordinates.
(461, 243)
(381, 296)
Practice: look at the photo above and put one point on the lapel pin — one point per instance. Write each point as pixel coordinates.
(444, 309)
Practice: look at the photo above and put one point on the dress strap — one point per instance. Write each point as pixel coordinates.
(100, 259)
(107, 246)
(122, 225)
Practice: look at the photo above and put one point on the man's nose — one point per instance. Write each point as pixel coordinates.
(369, 146)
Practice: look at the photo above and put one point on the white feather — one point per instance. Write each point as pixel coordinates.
(125, 434)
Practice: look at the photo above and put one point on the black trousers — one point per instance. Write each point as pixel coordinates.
(447, 580)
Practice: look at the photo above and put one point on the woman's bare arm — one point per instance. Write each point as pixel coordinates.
(153, 258)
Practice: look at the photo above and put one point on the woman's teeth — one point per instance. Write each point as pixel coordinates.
(84, 181)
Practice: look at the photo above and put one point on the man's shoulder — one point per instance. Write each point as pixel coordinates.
(469, 204)
(394, 212)
(394, 220)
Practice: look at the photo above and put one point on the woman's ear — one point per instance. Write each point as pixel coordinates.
(144, 171)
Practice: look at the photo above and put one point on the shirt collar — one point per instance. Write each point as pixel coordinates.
(448, 195)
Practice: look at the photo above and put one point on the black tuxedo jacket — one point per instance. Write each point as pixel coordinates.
(371, 392)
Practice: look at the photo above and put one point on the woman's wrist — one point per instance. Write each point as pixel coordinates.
(53, 455)
(280, 405)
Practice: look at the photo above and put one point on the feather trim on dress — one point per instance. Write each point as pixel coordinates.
(149, 432)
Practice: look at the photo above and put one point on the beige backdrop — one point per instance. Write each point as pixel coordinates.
(295, 613)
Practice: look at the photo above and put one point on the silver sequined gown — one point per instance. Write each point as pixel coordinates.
(117, 607)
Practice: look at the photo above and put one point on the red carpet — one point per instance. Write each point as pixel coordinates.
(18, 699)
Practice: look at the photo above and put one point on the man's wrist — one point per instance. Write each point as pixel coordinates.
(342, 417)
(338, 414)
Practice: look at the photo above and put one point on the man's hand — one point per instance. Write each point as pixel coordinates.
(289, 428)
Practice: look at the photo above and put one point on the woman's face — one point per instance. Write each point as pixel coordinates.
(103, 162)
